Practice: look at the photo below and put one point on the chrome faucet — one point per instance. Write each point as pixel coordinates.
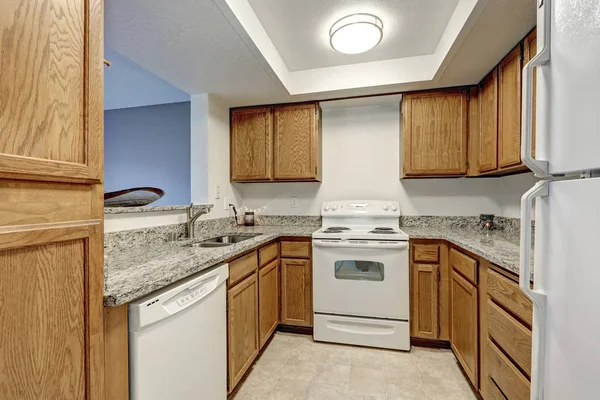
(191, 218)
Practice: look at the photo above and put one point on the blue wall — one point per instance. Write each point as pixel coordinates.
(149, 146)
(127, 84)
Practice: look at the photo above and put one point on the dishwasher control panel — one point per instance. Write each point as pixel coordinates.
(191, 295)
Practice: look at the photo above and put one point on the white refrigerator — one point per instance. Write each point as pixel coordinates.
(566, 259)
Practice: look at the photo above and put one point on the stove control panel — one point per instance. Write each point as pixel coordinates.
(361, 208)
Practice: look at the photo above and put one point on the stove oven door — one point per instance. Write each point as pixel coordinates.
(361, 278)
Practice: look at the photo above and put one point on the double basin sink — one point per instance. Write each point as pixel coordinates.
(222, 241)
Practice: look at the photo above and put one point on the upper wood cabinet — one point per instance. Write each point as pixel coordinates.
(280, 143)
(509, 109)
(51, 230)
(296, 147)
(434, 133)
(488, 122)
(251, 144)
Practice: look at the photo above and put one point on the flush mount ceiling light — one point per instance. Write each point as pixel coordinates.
(356, 33)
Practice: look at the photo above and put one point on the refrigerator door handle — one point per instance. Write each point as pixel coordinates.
(537, 297)
(539, 167)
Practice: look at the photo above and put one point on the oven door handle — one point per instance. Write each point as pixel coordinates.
(363, 245)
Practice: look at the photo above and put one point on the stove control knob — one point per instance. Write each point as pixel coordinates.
(326, 207)
(386, 207)
(334, 206)
(394, 207)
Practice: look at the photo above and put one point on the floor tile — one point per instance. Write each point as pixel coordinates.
(399, 360)
(307, 352)
(290, 390)
(340, 355)
(258, 385)
(367, 380)
(337, 376)
(435, 369)
(405, 386)
(368, 358)
(442, 389)
(295, 370)
(323, 392)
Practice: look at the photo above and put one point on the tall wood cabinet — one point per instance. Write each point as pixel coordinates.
(509, 109)
(51, 200)
(434, 133)
(488, 125)
(280, 143)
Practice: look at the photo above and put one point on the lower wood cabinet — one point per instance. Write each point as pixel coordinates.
(464, 325)
(268, 296)
(425, 299)
(502, 372)
(296, 292)
(243, 336)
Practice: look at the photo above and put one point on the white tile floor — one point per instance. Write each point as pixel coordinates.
(295, 367)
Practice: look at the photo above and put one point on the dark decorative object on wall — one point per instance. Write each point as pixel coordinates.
(134, 197)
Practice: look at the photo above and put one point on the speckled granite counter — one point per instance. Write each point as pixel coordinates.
(501, 250)
(133, 273)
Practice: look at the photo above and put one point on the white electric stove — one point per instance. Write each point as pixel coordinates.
(361, 275)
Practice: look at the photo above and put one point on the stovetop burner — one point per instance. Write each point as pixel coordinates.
(383, 232)
(332, 231)
(383, 229)
(337, 228)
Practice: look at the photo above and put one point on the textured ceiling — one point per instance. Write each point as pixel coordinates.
(195, 47)
(300, 29)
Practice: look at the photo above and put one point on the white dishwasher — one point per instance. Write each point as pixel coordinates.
(177, 340)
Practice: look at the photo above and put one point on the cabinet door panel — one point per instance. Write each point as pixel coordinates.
(425, 298)
(434, 130)
(242, 308)
(488, 122)
(251, 144)
(509, 109)
(296, 292)
(268, 295)
(296, 142)
(51, 117)
(508, 378)
(463, 332)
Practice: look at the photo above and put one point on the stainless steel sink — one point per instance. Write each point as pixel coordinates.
(222, 241)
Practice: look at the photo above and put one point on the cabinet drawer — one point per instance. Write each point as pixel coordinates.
(464, 264)
(511, 335)
(508, 378)
(509, 295)
(267, 254)
(426, 253)
(242, 267)
(295, 249)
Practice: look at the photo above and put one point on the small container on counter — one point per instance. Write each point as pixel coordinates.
(249, 218)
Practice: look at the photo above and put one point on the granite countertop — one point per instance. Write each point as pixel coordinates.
(128, 210)
(134, 273)
(501, 250)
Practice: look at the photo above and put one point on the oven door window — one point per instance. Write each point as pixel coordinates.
(357, 270)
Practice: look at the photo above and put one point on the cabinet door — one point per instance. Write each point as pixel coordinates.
(268, 296)
(434, 133)
(529, 51)
(296, 292)
(425, 302)
(296, 142)
(463, 320)
(488, 122)
(251, 144)
(243, 346)
(51, 229)
(509, 109)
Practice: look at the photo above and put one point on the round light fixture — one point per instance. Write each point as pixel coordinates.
(356, 33)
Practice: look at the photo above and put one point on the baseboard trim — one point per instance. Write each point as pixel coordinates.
(440, 344)
(303, 330)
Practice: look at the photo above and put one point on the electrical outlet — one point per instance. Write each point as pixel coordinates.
(294, 202)
(217, 192)
(226, 202)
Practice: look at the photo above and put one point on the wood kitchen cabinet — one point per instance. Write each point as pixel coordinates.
(242, 329)
(268, 289)
(509, 109)
(296, 292)
(296, 142)
(464, 323)
(251, 145)
(279, 143)
(51, 202)
(434, 133)
(488, 122)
